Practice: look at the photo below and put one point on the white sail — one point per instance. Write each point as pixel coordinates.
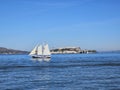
(34, 51)
(46, 50)
(39, 50)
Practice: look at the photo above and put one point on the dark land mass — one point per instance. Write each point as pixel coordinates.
(11, 51)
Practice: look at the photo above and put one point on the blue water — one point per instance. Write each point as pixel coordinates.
(99, 71)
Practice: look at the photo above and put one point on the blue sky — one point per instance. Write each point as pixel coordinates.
(90, 24)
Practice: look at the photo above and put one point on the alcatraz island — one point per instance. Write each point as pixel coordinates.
(71, 50)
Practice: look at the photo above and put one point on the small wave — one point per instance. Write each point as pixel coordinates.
(60, 66)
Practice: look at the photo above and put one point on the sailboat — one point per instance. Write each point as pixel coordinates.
(41, 51)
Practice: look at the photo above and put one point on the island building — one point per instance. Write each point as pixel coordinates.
(71, 50)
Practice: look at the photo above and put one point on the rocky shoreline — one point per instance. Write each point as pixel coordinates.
(66, 50)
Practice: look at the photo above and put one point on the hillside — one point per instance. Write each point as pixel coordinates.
(11, 51)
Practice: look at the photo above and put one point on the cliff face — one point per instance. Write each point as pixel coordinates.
(66, 50)
(11, 51)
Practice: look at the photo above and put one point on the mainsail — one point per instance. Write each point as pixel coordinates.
(46, 50)
(39, 50)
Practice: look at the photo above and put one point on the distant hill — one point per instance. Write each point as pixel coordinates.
(11, 51)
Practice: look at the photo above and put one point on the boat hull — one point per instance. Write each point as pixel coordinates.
(42, 57)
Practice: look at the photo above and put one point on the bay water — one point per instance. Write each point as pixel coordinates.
(99, 71)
